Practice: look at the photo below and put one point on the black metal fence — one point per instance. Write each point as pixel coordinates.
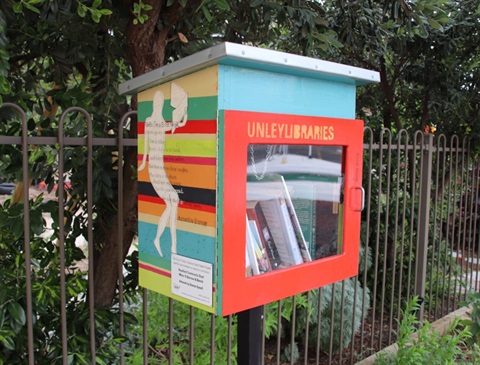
(419, 238)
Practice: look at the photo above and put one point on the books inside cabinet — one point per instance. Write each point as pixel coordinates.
(294, 208)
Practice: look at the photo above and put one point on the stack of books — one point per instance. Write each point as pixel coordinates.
(274, 238)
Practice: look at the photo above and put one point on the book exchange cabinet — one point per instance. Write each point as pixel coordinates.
(249, 176)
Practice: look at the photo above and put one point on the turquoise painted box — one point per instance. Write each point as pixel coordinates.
(213, 129)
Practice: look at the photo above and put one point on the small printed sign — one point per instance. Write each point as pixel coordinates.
(192, 279)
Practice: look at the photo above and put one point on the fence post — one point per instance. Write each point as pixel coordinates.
(249, 336)
(423, 221)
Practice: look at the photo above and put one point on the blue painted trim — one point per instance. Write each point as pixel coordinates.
(264, 91)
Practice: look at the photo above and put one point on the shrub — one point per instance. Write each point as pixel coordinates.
(158, 335)
(46, 296)
(337, 306)
(429, 347)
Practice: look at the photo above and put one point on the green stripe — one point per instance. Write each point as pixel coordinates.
(203, 108)
(160, 263)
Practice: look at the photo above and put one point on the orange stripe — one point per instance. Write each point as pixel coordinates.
(186, 205)
(186, 215)
(197, 176)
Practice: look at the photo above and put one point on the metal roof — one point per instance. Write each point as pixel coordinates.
(250, 57)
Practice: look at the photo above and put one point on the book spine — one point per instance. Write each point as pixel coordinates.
(276, 227)
(251, 250)
(263, 264)
(256, 214)
(292, 238)
(300, 239)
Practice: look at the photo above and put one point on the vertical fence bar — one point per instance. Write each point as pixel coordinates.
(368, 133)
(441, 163)
(332, 321)
(120, 224)
(342, 313)
(446, 194)
(476, 228)
(413, 227)
(457, 218)
(91, 288)
(400, 195)
(307, 326)
(319, 326)
(264, 326)
(191, 335)
(91, 296)
(467, 224)
(436, 241)
(145, 326)
(292, 333)
(377, 237)
(354, 316)
(212, 339)
(91, 247)
(452, 210)
(423, 221)
(386, 223)
(460, 246)
(170, 331)
(26, 237)
(279, 330)
(26, 230)
(406, 170)
(61, 235)
(230, 338)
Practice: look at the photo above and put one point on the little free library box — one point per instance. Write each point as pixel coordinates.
(249, 176)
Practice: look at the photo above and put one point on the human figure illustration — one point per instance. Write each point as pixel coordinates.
(154, 146)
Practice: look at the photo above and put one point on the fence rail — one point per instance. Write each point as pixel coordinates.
(420, 237)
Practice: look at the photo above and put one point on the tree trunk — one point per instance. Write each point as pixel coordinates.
(146, 45)
(106, 258)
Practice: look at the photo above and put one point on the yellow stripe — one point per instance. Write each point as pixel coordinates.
(162, 284)
(198, 84)
(192, 136)
(181, 225)
(195, 148)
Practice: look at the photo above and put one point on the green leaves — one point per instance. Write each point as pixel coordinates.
(27, 4)
(16, 312)
(222, 4)
(139, 10)
(95, 11)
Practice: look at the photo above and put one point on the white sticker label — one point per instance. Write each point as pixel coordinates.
(192, 279)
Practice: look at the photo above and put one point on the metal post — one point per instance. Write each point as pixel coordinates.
(249, 336)
(423, 222)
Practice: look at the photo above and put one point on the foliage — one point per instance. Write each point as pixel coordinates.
(46, 316)
(341, 314)
(390, 223)
(158, 334)
(473, 324)
(429, 347)
(426, 54)
(4, 56)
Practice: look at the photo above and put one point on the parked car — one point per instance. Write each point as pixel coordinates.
(6, 188)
